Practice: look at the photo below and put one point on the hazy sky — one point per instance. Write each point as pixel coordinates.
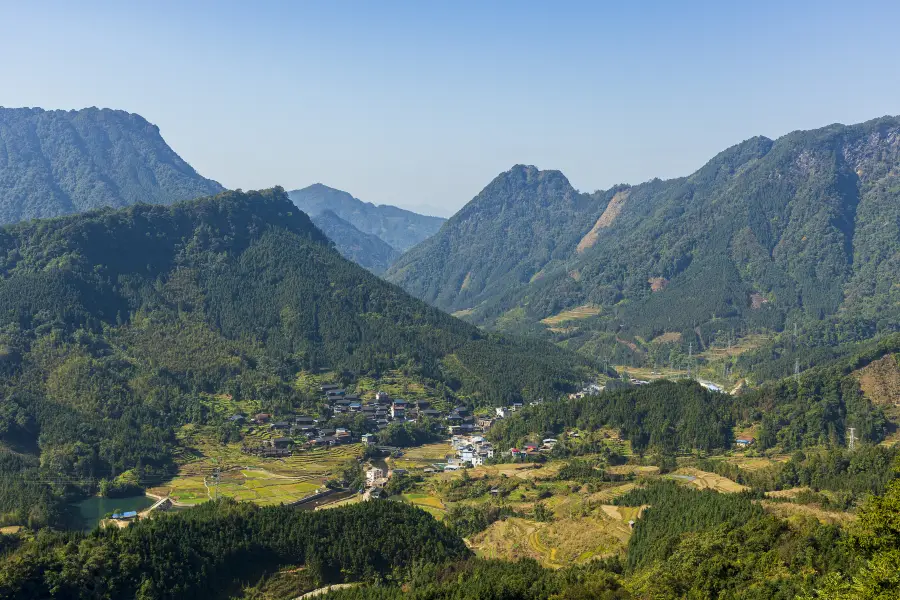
(421, 104)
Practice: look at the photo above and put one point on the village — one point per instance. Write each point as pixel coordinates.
(288, 434)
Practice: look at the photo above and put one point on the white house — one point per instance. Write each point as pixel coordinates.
(373, 475)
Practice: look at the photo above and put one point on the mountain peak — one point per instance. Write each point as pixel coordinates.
(399, 228)
(56, 162)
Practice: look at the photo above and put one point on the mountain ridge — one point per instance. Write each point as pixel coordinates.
(398, 227)
(365, 249)
(59, 162)
(771, 231)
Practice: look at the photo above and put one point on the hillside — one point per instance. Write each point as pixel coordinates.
(118, 327)
(59, 162)
(523, 220)
(365, 249)
(804, 229)
(401, 229)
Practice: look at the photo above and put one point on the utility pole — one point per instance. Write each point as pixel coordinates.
(851, 439)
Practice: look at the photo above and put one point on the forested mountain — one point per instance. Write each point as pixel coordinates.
(803, 229)
(815, 409)
(58, 162)
(400, 228)
(114, 323)
(498, 242)
(365, 249)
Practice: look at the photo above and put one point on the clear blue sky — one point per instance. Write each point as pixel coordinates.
(421, 104)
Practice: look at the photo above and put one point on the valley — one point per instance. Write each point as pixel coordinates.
(449, 301)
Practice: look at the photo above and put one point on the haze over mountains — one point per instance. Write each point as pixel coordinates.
(59, 162)
(365, 249)
(401, 229)
(803, 228)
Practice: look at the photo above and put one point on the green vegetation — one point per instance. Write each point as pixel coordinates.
(768, 234)
(59, 162)
(665, 416)
(400, 229)
(849, 475)
(120, 327)
(680, 417)
(204, 551)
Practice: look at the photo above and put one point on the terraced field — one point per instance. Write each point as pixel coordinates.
(584, 311)
(247, 477)
(709, 481)
(428, 503)
(558, 543)
(421, 457)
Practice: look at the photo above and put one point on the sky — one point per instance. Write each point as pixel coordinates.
(422, 104)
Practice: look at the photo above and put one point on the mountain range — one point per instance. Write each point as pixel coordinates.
(59, 162)
(399, 228)
(115, 325)
(365, 249)
(803, 229)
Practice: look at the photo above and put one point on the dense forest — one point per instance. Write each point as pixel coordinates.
(686, 544)
(815, 409)
(801, 230)
(665, 416)
(58, 162)
(203, 552)
(114, 324)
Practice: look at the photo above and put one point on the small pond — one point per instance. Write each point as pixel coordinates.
(93, 509)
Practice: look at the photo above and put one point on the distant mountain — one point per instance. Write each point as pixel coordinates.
(402, 229)
(803, 229)
(59, 162)
(365, 249)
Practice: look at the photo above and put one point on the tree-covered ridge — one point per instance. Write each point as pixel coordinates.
(115, 324)
(59, 162)
(664, 416)
(800, 229)
(203, 552)
(399, 228)
(498, 242)
(365, 249)
(815, 409)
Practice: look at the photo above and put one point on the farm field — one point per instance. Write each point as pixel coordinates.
(580, 312)
(555, 544)
(708, 481)
(787, 510)
(246, 477)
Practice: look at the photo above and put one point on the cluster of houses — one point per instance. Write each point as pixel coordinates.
(287, 431)
(381, 411)
(471, 450)
(532, 449)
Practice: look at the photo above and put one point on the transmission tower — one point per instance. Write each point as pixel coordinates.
(797, 370)
(216, 484)
(851, 439)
